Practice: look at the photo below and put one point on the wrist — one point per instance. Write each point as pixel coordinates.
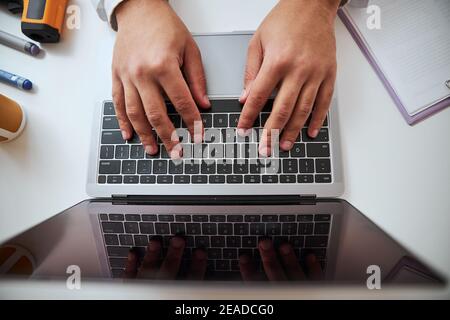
(130, 7)
(326, 8)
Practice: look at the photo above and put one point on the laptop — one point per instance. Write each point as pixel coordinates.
(221, 197)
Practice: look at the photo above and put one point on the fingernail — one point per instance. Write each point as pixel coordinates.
(175, 154)
(177, 242)
(198, 138)
(266, 244)
(314, 133)
(200, 254)
(150, 150)
(154, 245)
(241, 132)
(264, 151)
(285, 249)
(206, 99)
(286, 145)
(242, 94)
(124, 135)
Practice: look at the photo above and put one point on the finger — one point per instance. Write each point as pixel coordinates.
(314, 268)
(262, 87)
(301, 113)
(131, 266)
(151, 260)
(171, 264)
(247, 267)
(198, 265)
(119, 104)
(254, 61)
(321, 107)
(290, 263)
(180, 96)
(195, 75)
(272, 266)
(136, 114)
(156, 114)
(282, 110)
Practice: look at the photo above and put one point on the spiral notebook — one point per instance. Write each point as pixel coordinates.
(410, 52)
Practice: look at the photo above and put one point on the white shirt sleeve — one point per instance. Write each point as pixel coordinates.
(105, 10)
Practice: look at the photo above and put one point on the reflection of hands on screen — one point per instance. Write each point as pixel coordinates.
(277, 266)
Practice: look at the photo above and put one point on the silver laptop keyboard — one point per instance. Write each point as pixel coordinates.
(230, 158)
(224, 237)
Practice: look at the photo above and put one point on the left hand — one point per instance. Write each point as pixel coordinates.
(293, 50)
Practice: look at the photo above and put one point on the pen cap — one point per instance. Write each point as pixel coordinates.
(12, 119)
(42, 20)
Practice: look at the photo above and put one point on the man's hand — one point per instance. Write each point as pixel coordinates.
(153, 51)
(293, 50)
(275, 270)
(152, 267)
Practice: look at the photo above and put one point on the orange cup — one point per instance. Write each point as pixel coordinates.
(12, 119)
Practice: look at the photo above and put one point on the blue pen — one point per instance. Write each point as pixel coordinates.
(15, 80)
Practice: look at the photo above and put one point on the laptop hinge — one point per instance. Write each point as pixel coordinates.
(309, 199)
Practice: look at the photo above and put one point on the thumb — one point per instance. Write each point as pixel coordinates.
(195, 75)
(254, 61)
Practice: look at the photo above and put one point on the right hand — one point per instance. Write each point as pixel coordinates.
(153, 51)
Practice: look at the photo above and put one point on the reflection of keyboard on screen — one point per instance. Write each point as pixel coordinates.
(232, 159)
(225, 237)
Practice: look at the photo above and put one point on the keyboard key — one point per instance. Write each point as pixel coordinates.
(214, 253)
(101, 179)
(305, 178)
(306, 165)
(252, 178)
(147, 228)
(164, 179)
(223, 265)
(166, 217)
(218, 241)
(202, 241)
(288, 179)
(216, 151)
(234, 119)
(134, 139)
(241, 229)
(248, 242)
(207, 120)
(290, 166)
(199, 179)
(322, 228)
(112, 137)
(108, 109)
(224, 167)
(159, 166)
(103, 217)
(252, 218)
(109, 167)
(107, 152)
(283, 154)
(144, 166)
(112, 227)
(323, 166)
(110, 123)
(115, 251)
(316, 241)
(225, 228)
(269, 218)
(256, 167)
(322, 178)
(297, 241)
(229, 135)
(217, 179)
(289, 229)
(234, 179)
(305, 217)
(322, 217)
(131, 179)
(189, 241)
(175, 167)
(111, 239)
(200, 218)
(321, 137)
(270, 179)
(118, 262)
(137, 152)
(229, 253)
(164, 153)
(209, 228)
(287, 218)
(131, 227)
(114, 179)
(217, 218)
(208, 167)
(235, 218)
(116, 217)
(162, 228)
(129, 167)
(298, 150)
(244, 251)
(318, 150)
(193, 228)
(149, 217)
(231, 151)
(140, 240)
(122, 152)
(126, 240)
(191, 167)
(273, 229)
(305, 228)
(177, 228)
(182, 179)
(240, 166)
(279, 240)
(148, 179)
(233, 242)
(220, 120)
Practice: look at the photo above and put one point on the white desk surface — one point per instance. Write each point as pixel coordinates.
(398, 175)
